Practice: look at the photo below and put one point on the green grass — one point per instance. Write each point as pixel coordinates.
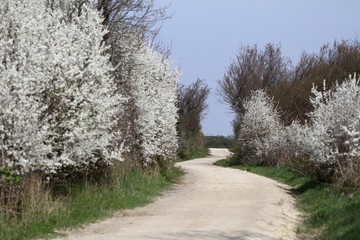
(185, 155)
(199, 154)
(90, 203)
(330, 211)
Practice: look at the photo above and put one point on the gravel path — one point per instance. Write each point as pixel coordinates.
(212, 203)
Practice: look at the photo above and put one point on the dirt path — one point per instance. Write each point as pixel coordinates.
(214, 203)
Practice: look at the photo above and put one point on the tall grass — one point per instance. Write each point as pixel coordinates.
(44, 212)
(192, 148)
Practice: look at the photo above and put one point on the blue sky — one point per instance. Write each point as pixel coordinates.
(205, 35)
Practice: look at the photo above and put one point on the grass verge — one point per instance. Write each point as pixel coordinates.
(89, 203)
(330, 212)
(185, 155)
(199, 154)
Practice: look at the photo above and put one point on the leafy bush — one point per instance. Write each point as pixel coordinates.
(192, 108)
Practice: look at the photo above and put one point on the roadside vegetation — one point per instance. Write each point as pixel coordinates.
(47, 212)
(330, 211)
(192, 109)
(219, 142)
(294, 126)
(83, 128)
(190, 154)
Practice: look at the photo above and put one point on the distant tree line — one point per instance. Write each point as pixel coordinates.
(219, 142)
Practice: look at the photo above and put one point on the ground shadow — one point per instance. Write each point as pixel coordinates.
(212, 235)
(305, 187)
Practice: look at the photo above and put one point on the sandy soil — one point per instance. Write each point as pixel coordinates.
(212, 203)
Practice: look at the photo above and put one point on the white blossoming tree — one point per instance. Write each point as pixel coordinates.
(57, 106)
(334, 134)
(21, 136)
(154, 88)
(261, 130)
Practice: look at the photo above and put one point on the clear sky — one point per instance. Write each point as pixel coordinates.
(205, 35)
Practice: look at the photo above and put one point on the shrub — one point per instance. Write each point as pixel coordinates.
(336, 122)
(261, 129)
(192, 109)
(332, 137)
(154, 86)
(57, 105)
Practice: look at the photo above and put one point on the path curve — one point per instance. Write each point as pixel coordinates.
(212, 203)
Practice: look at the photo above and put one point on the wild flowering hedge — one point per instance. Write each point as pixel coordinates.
(58, 103)
(261, 129)
(331, 137)
(57, 82)
(155, 92)
(334, 130)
